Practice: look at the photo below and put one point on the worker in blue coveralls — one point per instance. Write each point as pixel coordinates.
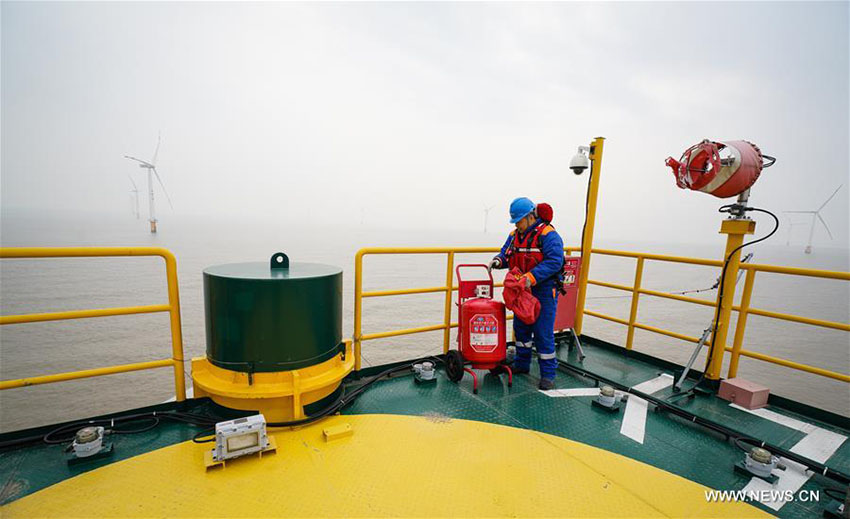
(538, 251)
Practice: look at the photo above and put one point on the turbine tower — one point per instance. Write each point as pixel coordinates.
(151, 167)
(487, 216)
(135, 194)
(791, 225)
(816, 216)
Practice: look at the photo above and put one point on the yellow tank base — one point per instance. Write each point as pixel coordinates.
(280, 396)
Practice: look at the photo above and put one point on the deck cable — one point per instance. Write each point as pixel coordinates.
(344, 399)
(732, 434)
(729, 208)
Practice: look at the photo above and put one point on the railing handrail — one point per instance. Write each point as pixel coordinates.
(173, 308)
(743, 308)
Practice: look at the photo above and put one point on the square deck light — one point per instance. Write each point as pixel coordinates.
(239, 437)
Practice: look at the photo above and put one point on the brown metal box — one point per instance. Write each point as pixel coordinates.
(744, 393)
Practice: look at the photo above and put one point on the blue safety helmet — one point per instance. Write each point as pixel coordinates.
(520, 208)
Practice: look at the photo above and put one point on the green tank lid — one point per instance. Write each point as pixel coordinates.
(261, 271)
(275, 316)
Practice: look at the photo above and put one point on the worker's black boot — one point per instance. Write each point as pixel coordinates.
(519, 371)
(546, 384)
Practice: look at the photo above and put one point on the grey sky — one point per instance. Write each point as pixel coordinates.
(422, 113)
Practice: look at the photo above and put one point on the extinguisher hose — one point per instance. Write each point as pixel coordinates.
(726, 209)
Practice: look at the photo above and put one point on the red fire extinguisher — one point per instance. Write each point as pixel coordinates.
(481, 330)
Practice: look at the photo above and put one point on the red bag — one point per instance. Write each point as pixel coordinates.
(519, 299)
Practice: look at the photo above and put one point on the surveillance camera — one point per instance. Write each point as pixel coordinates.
(579, 162)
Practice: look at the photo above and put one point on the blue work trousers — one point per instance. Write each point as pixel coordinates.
(540, 334)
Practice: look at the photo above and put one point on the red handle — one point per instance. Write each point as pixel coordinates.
(457, 270)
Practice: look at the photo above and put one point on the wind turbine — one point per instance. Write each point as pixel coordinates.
(487, 216)
(151, 167)
(135, 194)
(791, 225)
(816, 215)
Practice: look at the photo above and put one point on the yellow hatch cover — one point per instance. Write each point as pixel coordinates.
(390, 466)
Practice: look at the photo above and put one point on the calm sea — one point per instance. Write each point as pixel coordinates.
(28, 286)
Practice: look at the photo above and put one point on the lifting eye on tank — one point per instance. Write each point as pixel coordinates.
(280, 261)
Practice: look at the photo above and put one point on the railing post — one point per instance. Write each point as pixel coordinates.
(176, 328)
(447, 318)
(587, 243)
(735, 229)
(635, 296)
(358, 308)
(741, 326)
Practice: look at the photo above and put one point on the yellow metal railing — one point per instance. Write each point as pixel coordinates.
(173, 308)
(448, 289)
(743, 309)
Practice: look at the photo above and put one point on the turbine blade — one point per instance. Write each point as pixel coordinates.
(131, 181)
(163, 188)
(138, 160)
(156, 152)
(824, 226)
(830, 198)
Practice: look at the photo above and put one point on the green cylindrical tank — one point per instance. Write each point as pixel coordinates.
(276, 316)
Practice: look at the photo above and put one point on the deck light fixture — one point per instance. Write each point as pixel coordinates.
(239, 437)
(607, 399)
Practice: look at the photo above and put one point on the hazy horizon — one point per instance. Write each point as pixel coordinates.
(421, 115)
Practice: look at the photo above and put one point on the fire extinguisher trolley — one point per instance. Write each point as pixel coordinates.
(481, 330)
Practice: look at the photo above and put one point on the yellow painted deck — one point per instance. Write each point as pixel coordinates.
(390, 466)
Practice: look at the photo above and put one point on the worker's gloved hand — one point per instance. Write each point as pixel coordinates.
(494, 264)
(528, 280)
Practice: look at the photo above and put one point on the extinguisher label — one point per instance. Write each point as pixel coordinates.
(483, 333)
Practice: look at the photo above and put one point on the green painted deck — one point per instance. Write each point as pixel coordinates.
(670, 443)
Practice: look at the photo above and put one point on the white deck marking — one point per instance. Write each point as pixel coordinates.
(634, 418)
(792, 478)
(654, 385)
(818, 445)
(578, 391)
(787, 421)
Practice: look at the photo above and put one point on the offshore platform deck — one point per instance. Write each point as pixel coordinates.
(640, 461)
(613, 439)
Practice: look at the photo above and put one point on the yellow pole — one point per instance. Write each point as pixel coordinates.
(735, 229)
(358, 309)
(447, 318)
(587, 243)
(176, 327)
(630, 335)
(742, 324)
